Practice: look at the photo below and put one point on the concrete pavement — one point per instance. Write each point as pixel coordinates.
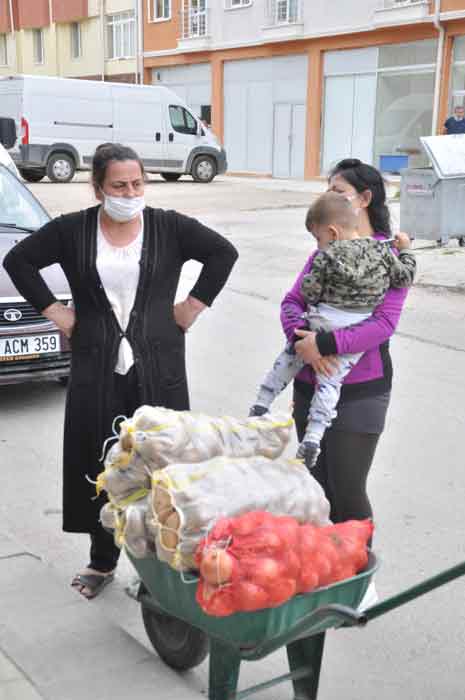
(54, 645)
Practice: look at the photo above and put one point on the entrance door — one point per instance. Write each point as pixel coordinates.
(289, 140)
(349, 118)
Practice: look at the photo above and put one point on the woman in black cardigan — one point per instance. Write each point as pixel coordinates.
(155, 328)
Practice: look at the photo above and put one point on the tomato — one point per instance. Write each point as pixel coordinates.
(248, 596)
(245, 524)
(282, 591)
(308, 540)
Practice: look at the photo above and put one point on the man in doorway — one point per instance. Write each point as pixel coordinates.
(456, 123)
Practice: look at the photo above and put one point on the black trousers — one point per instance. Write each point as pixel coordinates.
(104, 554)
(342, 467)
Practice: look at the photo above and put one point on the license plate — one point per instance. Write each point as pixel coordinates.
(27, 345)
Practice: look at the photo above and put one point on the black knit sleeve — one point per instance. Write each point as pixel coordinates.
(24, 262)
(217, 255)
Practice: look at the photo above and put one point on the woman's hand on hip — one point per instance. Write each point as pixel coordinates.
(62, 316)
(186, 312)
(307, 349)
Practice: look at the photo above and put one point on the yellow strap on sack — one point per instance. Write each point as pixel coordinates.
(132, 498)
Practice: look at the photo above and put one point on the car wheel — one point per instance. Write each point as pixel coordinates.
(204, 169)
(171, 177)
(61, 168)
(32, 175)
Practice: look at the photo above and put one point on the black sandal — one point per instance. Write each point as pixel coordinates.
(95, 583)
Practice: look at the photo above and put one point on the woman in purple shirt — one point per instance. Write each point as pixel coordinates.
(349, 446)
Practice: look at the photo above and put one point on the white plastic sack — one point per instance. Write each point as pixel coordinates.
(195, 496)
(132, 526)
(161, 436)
(125, 476)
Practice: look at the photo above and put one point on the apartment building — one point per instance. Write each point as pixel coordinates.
(291, 86)
(92, 39)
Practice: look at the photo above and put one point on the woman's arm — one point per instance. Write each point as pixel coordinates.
(217, 255)
(24, 262)
(368, 334)
(294, 304)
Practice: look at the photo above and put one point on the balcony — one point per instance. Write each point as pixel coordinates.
(283, 19)
(401, 11)
(194, 26)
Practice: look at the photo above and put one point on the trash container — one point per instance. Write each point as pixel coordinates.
(432, 199)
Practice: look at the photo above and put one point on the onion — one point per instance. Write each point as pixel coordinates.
(161, 499)
(217, 566)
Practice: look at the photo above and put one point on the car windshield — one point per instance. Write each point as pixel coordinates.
(18, 207)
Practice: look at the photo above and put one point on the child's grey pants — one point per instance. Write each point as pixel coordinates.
(328, 389)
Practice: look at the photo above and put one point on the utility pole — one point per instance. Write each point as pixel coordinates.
(13, 36)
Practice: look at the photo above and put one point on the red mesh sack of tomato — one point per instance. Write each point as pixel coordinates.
(258, 560)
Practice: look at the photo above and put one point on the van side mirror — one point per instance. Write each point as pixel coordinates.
(7, 132)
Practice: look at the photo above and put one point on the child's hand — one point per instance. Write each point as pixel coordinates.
(402, 241)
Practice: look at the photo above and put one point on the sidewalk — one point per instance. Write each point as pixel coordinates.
(55, 645)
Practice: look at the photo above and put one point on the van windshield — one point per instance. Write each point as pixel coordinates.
(18, 207)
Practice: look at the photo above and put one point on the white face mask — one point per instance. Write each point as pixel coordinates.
(123, 209)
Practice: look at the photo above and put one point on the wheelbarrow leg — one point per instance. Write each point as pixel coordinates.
(306, 653)
(224, 671)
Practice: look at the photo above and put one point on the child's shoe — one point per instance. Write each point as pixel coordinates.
(308, 451)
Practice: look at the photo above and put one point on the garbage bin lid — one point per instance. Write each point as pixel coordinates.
(447, 154)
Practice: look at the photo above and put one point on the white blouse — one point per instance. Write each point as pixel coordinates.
(118, 268)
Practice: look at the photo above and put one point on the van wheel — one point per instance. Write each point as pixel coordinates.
(204, 169)
(32, 175)
(171, 177)
(61, 168)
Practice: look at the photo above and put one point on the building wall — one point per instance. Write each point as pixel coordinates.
(452, 5)
(57, 39)
(162, 35)
(25, 53)
(91, 61)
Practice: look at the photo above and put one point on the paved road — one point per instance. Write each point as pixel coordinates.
(417, 483)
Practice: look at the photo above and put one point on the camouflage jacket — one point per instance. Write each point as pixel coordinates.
(356, 274)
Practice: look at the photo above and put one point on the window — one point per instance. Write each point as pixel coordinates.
(458, 73)
(232, 4)
(286, 11)
(121, 33)
(76, 46)
(38, 41)
(182, 120)
(3, 50)
(161, 10)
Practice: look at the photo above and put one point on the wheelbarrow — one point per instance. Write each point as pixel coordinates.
(183, 635)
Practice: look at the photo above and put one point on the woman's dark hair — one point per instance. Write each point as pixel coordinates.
(105, 154)
(364, 177)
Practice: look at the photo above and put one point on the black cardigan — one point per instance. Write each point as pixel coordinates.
(170, 239)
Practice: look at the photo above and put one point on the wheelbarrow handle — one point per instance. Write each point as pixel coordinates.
(416, 591)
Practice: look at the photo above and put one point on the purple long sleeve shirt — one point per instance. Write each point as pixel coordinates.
(370, 336)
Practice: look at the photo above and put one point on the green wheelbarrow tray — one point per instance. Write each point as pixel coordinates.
(183, 634)
(255, 634)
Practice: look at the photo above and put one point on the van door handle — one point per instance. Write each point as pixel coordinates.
(157, 136)
(171, 138)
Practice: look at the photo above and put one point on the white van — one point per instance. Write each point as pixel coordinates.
(61, 122)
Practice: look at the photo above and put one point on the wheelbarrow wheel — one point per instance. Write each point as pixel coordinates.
(180, 645)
